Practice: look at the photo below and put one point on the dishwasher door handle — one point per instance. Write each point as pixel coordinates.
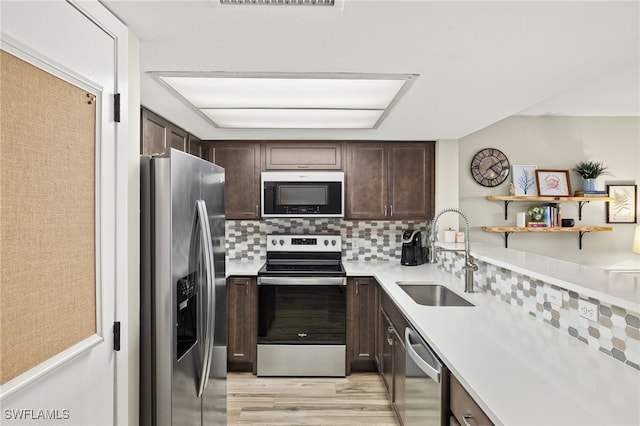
(426, 366)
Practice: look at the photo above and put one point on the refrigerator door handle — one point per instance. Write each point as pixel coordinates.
(207, 248)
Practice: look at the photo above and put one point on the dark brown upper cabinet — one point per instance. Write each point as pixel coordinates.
(195, 146)
(412, 180)
(241, 161)
(303, 155)
(390, 180)
(366, 181)
(158, 134)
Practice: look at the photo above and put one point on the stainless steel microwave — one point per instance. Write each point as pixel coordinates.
(302, 194)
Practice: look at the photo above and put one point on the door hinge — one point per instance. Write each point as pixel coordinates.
(116, 107)
(116, 336)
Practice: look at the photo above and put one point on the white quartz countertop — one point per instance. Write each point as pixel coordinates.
(620, 287)
(519, 370)
(243, 268)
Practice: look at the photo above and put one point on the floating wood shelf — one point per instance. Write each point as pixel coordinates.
(581, 230)
(580, 200)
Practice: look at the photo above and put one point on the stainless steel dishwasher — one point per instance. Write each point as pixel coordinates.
(426, 390)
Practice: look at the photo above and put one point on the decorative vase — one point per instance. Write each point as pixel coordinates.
(589, 185)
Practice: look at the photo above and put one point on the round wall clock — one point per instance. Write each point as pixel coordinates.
(490, 167)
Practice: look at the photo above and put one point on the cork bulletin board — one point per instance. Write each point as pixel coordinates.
(47, 216)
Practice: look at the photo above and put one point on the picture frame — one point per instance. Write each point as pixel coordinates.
(624, 208)
(553, 183)
(524, 180)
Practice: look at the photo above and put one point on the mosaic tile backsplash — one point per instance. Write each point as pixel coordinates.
(616, 333)
(362, 240)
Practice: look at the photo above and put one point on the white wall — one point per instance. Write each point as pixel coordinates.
(556, 143)
(447, 183)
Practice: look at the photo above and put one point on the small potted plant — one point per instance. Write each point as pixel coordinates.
(590, 170)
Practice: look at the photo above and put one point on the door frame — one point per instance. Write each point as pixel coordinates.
(126, 249)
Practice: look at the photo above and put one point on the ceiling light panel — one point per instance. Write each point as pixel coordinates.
(293, 118)
(289, 100)
(206, 92)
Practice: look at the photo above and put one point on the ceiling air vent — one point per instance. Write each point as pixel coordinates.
(281, 2)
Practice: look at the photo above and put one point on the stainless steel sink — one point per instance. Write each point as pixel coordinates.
(431, 294)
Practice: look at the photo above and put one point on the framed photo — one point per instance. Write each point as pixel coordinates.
(553, 183)
(524, 180)
(624, 208)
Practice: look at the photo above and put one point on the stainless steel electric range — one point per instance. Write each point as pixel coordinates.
(302, 307)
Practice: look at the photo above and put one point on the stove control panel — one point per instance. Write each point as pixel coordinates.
(304, 242)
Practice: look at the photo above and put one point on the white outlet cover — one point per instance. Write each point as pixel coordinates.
(588, 310)
(554, 296)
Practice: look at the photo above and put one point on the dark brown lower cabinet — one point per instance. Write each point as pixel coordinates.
(463, 408)
(392, 353)
(362, 302)
(242, 326)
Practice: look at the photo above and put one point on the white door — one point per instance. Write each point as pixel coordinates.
(76, 42)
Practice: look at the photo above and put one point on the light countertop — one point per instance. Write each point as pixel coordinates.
(243, 268)
(519, 370)
(618, 286)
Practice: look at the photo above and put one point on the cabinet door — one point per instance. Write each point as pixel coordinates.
(464, 407)
(195, 146)
(241, 161)
(158, 134)
(411, 180)
(153, 139)
(242, 308)
(178, 138)
(364, 312)
(385, 333)
(307, 155)
(366, 181)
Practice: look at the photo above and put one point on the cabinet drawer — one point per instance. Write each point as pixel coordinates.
(463, 406)
(397, 319)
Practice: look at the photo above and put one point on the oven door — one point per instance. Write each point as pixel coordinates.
(302, 326)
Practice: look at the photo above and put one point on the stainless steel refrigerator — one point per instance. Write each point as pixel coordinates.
(183, 345)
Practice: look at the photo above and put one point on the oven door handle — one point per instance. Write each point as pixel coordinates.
(302, 281)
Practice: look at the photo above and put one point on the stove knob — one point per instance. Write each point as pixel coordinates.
(326, 242)
(333, 242)
(281, 242)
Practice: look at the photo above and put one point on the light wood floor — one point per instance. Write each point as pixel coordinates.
(359, 399)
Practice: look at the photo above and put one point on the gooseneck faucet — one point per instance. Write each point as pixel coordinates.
(469, 266)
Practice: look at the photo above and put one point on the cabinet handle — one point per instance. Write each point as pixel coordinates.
(391, 208)
(357, 287)
(385, 210)
(246, 289)
(389, 336)
(257, 210)
(469, 420)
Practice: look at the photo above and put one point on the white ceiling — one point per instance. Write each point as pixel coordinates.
(478, 61)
